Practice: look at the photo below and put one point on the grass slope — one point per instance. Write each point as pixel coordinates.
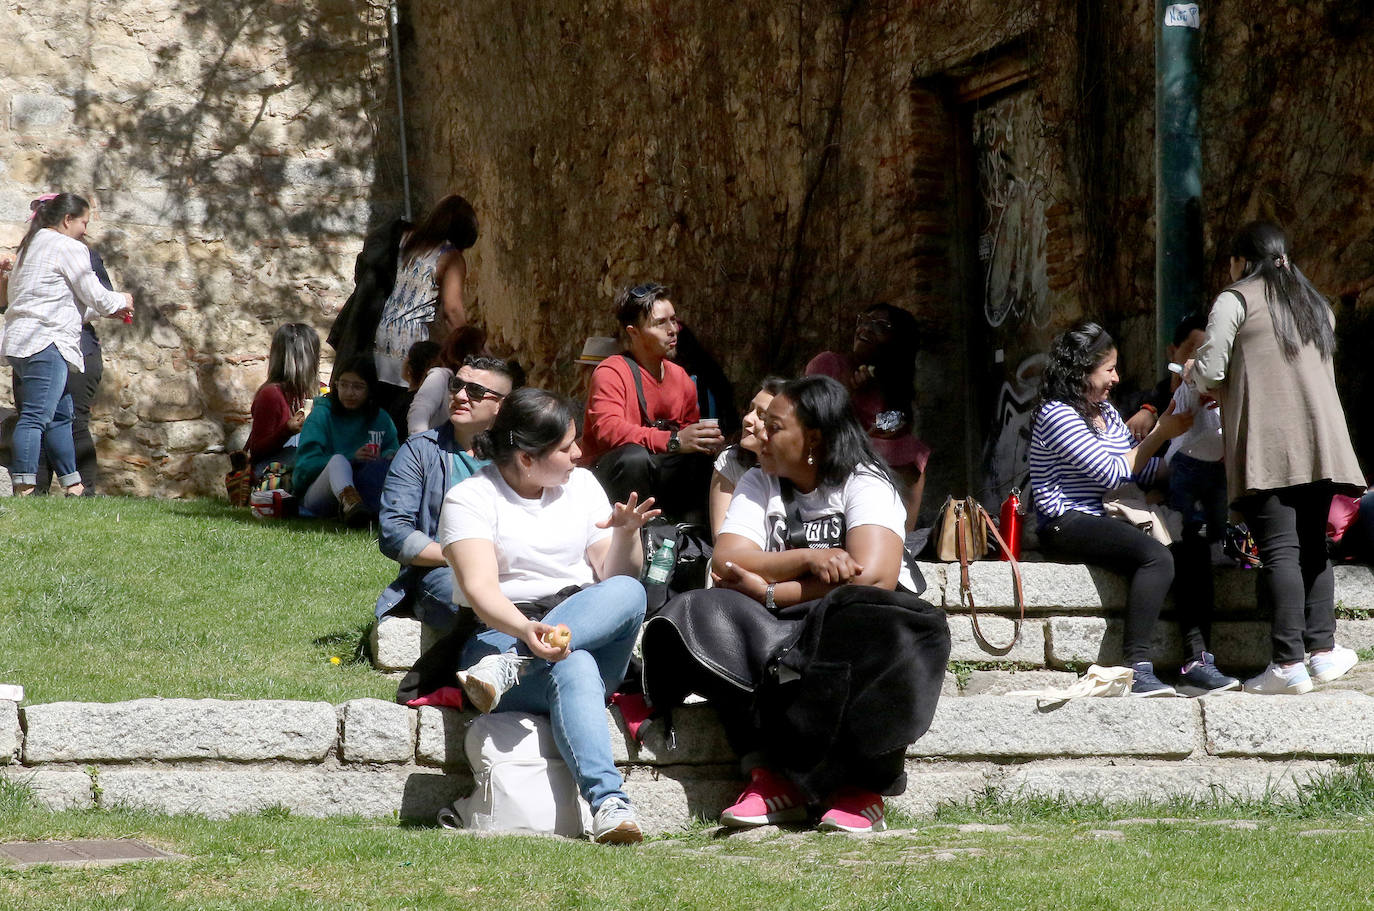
(109, 599)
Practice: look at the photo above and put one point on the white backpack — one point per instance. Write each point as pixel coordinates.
(521, 783)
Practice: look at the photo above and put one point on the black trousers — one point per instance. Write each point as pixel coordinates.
(678, 482)
(1296, 581)
(1151, 569)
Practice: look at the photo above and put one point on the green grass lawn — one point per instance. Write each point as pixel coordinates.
(987, 857)
(109, 598)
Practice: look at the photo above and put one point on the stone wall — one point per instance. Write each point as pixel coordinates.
(782, 166)
(234, 155)
(376, 759)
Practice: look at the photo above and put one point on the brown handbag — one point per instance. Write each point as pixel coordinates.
(966, 525)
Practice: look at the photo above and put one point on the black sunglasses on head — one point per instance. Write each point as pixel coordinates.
(476, 391)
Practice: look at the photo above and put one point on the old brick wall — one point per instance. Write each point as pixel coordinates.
(783, 166)
(231, 155)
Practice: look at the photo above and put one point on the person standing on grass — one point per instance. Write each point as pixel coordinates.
(425, 468)
(535, 545)
(1268, 359)
(49, 290)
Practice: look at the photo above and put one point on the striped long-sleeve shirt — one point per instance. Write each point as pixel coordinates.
(1072, 467)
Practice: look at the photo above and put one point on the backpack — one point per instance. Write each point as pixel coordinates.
(691, 560)
(521, 784)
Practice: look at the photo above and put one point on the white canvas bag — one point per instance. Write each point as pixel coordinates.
(521, 783)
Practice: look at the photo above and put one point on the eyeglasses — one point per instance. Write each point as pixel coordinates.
(349, 386)
(476, 391)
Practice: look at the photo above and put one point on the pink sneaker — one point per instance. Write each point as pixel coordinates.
(768, 799)
(853, 810)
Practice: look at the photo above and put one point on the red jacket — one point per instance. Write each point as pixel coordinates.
(613, 417)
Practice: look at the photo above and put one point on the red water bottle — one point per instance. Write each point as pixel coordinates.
(1009, 524)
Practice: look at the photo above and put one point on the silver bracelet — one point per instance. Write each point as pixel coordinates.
(768, 598)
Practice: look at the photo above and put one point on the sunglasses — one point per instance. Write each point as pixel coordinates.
(476, 391)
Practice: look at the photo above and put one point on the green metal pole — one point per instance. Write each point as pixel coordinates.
(1178, 171)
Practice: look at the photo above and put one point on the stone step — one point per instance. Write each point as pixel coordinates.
(1057, 641)
(375, 758)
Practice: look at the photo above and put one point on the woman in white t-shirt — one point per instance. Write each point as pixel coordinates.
(743, 454)
(820, 512)
(536, 549)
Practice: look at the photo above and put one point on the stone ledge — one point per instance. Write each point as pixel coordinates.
(1117, 784)
(1015, 727)
(416, 794)
(1080, 641)
(376, 731)
(965, 646)
(173, 729)
(54, 789)
(1337, 724)
(11, 737)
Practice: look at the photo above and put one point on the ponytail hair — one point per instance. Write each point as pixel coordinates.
(531, 420)
(49, 213)
(1298, 311)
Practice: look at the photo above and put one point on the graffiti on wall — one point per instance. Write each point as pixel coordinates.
(1005, 457)
(1009, 150)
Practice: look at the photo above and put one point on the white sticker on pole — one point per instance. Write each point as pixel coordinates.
(1182, 15)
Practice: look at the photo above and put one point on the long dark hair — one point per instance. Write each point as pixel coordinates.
(771, 385)
(452, 220)
(1074, 354)
(823, 404)
(894, 364)
(1298, 311)
(365, 369)
(49, 214)
(531, 420)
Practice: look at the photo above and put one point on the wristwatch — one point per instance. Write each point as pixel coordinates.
(674, 444)
(768, 602)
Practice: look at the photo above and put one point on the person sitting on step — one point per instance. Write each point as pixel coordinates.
(1080, 451)
(537, 549)
(425, 468)
(642, 432)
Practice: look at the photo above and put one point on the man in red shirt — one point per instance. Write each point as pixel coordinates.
(642, 431)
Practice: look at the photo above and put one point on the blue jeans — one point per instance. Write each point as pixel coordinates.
(604, 620)
(45, 418)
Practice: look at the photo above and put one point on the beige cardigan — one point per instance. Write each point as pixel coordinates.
(1282, 422)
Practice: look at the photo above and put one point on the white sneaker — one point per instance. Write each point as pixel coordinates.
(1327, 666)
(487, 681)
(615, 823)
(1280, 681)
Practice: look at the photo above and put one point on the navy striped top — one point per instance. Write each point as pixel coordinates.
(1071, 466)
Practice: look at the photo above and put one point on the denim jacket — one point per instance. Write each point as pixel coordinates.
(421, 474)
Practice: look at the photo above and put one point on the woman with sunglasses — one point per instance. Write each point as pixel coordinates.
(880, 374)
(426, 467)
(346, 433)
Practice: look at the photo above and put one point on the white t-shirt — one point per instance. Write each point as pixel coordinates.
(541, 545)
(1203, 440)
(729, 465)
(758, 514)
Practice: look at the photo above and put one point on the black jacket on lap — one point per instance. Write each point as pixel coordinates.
(836, 688)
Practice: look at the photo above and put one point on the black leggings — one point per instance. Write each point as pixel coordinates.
(1149, 567)
(1296, 581)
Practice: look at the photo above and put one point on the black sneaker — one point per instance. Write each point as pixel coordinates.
(1147, 684)
(1201, 676)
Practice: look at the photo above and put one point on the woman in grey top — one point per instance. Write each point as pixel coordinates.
(1268, 359)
